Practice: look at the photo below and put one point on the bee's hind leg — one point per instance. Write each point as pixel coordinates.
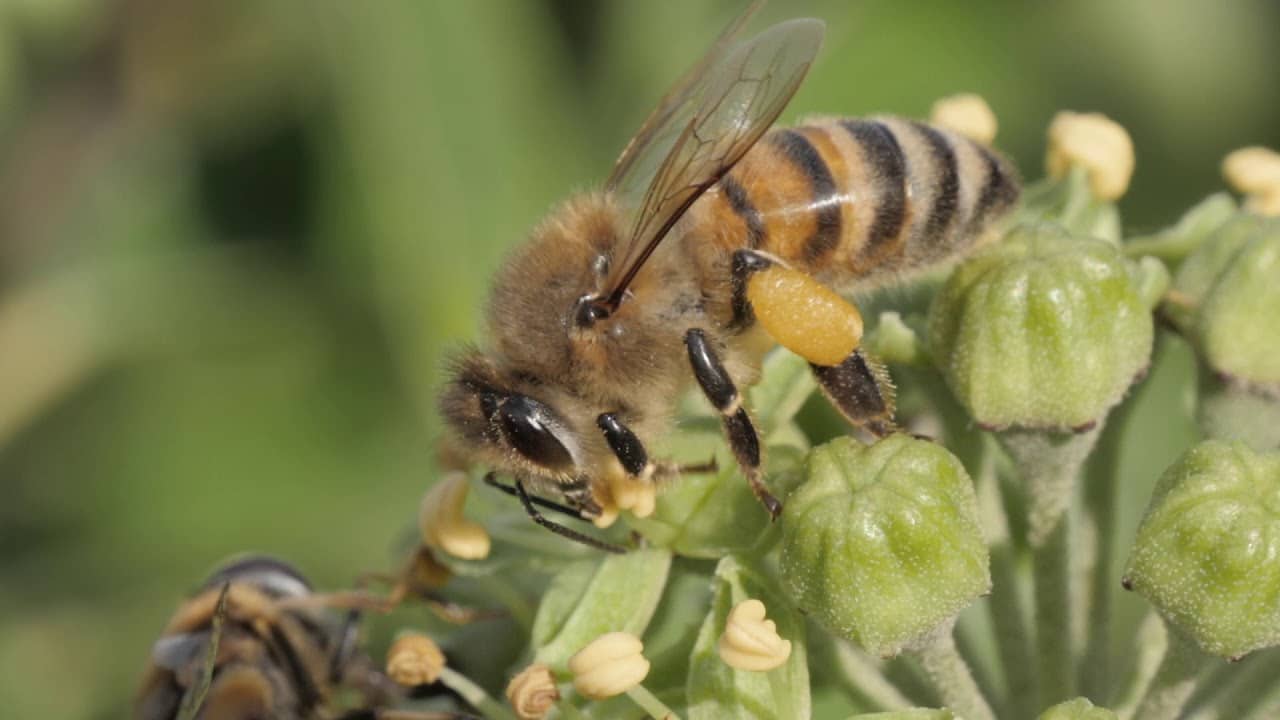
(723, 394)
(860, 388)
(778, 297)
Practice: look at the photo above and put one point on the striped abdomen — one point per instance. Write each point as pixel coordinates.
(843, 199)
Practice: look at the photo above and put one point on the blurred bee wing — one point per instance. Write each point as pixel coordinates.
(176, 652)
(701, 129)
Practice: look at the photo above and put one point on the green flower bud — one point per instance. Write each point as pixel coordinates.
(1041, 331)
(1206, 552)
(1078, 709)
(1227, 301)
(881, 544)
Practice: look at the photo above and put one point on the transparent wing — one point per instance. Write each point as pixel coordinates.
(656, 134)
(704, 125)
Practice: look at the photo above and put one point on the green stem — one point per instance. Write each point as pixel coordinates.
(1051, 569)
(474, 695)
(862, 679)
(1005, 606)
(950, 676)
(651, 704)
(569, 711)
(1149, 648)
(1101, 484)
(1228, 411)
(1250, 691)
(1049, 465)
(1009, 618)
(1174, 681)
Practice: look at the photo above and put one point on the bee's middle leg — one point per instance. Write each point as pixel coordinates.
(858, 386)
(723, 394)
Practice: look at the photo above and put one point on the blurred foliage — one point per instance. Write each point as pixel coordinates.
(236, 238)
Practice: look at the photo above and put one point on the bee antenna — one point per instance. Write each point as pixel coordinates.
(561, 530)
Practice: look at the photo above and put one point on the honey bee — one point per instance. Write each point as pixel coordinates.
(280, 653)
(712, 232)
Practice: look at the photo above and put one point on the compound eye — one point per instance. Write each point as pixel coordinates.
(531, 428)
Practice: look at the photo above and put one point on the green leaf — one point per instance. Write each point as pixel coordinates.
(717, 691)
(589, 599)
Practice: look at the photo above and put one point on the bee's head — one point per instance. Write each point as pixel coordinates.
(499, 420)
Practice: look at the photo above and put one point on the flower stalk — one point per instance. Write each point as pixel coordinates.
(950, 675)
(1174, 681)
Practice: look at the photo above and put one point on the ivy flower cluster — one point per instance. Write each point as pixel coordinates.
(970, 566)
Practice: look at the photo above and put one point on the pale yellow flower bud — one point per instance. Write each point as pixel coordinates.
(414, 659)
(750, 642)
(609, 665)
(1267, 203)
(1255, 171)
(533, 692)
(967, 114)
(1098, 144)
(444, 526)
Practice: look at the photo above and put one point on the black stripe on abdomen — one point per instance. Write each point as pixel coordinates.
(889, 171)
(999, 190)
(946, 197)
(744, 209)
(800, 151)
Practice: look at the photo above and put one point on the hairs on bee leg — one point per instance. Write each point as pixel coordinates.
(860, 388)
(561, 530)
(723, 394)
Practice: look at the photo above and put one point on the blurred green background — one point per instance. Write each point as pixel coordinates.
(237, 236)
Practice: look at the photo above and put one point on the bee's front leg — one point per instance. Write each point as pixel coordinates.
(816, 323)
(723, 394)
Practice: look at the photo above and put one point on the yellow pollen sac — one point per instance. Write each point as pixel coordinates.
(637, 494)
(805, 316)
